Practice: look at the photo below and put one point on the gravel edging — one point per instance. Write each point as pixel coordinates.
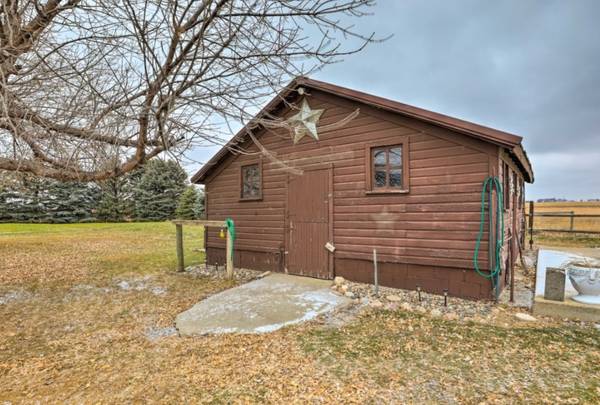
(432, 304)
(220, 273)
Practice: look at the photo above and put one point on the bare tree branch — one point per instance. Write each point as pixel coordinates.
(91, 89)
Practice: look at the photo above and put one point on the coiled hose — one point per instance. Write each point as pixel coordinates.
(489, 185)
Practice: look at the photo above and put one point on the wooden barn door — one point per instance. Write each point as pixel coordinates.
(308, 224)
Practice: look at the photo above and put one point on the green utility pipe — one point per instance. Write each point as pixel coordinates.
(231, 229)
(495, 251)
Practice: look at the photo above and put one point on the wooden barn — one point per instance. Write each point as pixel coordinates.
(336, 173)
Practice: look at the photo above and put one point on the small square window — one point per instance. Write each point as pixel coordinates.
(251, 182)
(387, 167)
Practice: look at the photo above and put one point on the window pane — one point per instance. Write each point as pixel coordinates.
(396, 156)
(250, 181)
(396, 178)
(250, 190)
(379, 178)
(379, 156)
(387, 166)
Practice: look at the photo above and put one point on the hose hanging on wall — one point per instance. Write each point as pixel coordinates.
(489, 185)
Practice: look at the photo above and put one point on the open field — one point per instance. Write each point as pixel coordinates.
(86, 312)
(579, 208)
(580, 224)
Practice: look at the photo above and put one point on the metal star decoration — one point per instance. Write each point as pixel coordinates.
(305, 122)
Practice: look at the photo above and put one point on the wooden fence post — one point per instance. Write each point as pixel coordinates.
(572, 220)
(531, 213)
(229, 253)
(179, 233)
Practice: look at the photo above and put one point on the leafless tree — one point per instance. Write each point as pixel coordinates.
(91, 89)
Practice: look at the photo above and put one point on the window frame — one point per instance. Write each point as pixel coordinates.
(521, 193)
(506, 188)
(369, 172)
(258, 163)
(515, 190)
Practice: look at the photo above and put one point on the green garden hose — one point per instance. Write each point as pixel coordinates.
(489, 185)
(231, 230)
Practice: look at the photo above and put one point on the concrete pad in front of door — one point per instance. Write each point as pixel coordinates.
(260, 306)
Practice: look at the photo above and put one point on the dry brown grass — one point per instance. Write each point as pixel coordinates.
(579, 208)
(78, 338)
(580, 224)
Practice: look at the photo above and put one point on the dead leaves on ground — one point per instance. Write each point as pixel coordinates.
(84, 340)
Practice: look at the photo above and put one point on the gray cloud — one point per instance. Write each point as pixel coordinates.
(526, 67)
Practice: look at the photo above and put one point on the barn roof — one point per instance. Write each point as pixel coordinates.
(513, 143)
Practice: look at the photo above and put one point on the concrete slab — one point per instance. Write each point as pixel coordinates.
(260, 306)
(568, 308)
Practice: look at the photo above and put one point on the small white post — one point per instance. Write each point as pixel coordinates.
(375, 273)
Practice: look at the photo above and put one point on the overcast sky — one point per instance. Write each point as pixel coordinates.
(531, 68)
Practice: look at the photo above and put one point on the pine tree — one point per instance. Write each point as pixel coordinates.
(151, 193)
(158, 190)
(27, 198)
(69, 202)
(11, 197)
(189, 206)
(31, 205)
(201, 211)
(20, 198)
(117, 197)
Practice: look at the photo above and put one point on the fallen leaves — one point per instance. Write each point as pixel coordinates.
(472, 363)
(80, 337)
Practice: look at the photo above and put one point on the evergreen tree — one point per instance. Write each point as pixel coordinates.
(27, 198)
(30, 205)
(117, 197)
(4, 200)
(20, 198)
(11, 197)
(201, 211)
(151, 193)
(158, 190)
(190, 204)
(69, 202)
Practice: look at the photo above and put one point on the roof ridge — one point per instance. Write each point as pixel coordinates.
(468, 128)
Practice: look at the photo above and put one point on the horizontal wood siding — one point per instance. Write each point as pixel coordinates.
(457, 282)
(434, 224)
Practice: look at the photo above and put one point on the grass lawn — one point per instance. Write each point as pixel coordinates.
(71, 333)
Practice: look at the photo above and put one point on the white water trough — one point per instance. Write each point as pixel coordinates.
(582, 286)
(587, 283)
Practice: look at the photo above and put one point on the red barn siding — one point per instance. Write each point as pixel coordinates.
(424, 237)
